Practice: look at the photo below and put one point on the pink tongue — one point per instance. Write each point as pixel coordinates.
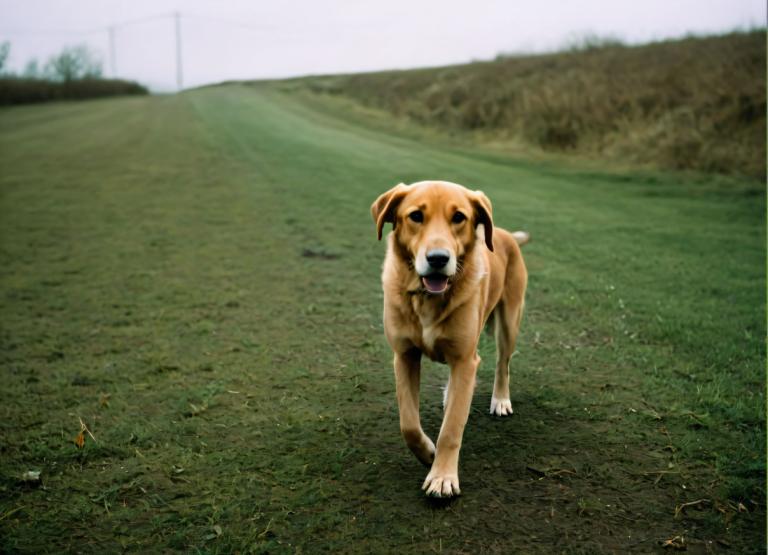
(435, 284)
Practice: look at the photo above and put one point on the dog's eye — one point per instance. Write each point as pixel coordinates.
(416, 216)
(458, 217)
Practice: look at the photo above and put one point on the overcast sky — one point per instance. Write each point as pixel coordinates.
(241, 39)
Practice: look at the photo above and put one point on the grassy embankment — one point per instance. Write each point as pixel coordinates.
(197, 278)
(692, 104)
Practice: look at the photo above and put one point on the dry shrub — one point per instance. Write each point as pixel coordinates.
(694, 103)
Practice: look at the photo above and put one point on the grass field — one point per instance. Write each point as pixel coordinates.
(196, 277)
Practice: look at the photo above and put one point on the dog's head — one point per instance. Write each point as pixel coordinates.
(435, 225)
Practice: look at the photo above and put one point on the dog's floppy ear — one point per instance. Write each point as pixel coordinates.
(383, 208)
(484, 215)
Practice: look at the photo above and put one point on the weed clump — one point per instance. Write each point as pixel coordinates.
(690, 104)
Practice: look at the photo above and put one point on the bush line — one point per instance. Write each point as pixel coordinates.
(18, 90)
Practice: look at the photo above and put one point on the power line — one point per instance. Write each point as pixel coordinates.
(112, 29)
(86, 31)
(229, 22)
(52, 31)
(112, 63)
(145, 19)
(179, 75)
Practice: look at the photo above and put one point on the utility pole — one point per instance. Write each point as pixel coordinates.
(179, 79)
(112, 64)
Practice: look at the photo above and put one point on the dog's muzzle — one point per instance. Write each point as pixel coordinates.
(436, 281)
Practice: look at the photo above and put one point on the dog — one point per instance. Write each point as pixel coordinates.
(447, 271)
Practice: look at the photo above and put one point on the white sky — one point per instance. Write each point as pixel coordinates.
(241, 39)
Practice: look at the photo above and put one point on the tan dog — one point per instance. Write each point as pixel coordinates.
(447, 271)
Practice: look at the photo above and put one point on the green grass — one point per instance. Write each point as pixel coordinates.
(154, 282)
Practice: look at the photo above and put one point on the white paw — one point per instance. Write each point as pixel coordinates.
(501, 407)
(441, 485)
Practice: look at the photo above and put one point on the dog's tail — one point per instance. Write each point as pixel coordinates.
(522, 237)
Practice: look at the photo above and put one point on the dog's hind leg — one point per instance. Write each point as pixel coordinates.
(506, 325)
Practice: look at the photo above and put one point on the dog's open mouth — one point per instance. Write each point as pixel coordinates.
(435, 283)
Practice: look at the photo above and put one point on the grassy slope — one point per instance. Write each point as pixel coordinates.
(695, 103)
(151, 251)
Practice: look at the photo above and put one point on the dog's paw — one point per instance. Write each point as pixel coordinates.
(424, 451)
(441, 485)
(501, 407)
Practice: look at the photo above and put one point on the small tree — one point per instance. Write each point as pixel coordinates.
(32, 69)
(591, 41)
(74, 62)
(5, 51)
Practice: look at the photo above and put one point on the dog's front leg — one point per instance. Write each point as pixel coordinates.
(407, 377)
(443, 478)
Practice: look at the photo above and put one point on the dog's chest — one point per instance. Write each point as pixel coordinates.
(430, 330)
(430, 333)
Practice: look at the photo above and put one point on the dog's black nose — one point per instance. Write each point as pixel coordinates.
(438, 258)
